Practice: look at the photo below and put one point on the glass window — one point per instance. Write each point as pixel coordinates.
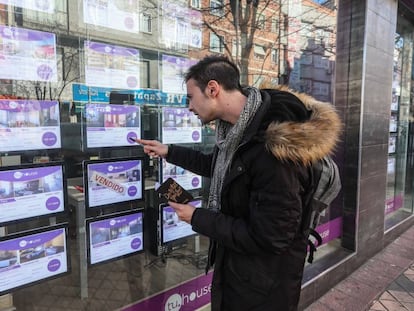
(107, 71)
(399, 194)
(217, 7)
(146, 22)
(216, 43)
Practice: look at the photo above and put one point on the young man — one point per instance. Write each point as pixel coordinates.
(261, 181)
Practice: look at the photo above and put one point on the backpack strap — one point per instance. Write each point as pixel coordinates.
(311, 244)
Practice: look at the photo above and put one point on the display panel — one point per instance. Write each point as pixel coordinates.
(115, 236)
(33, 256)
(111, 66)
(180, 125)
(112, 181)
(188, 180)
(111, 125)
(115, 14)
(47, 6)
(31, 191)
(173, 228)
(27, 54)
(29, 125)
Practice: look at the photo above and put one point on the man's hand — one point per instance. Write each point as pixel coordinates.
(184, 211)
(154, 148)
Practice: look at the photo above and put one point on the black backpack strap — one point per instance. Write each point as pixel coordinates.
(311, 244)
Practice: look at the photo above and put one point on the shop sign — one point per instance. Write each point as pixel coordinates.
(84, 93)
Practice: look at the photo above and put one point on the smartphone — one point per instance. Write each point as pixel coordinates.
(170, 190)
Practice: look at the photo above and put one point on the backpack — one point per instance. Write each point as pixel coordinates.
(327, 186)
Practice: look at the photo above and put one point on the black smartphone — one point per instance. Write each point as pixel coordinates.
(170, 190)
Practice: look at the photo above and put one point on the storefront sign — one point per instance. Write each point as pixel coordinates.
(188, 296)
(83, 93)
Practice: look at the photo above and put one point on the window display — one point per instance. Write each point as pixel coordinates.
(37, 255)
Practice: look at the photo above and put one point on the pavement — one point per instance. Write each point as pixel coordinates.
(383, 283)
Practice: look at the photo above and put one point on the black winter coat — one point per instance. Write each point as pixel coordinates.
(259, 240)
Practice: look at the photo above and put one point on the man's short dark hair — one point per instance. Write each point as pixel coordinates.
(218, 68)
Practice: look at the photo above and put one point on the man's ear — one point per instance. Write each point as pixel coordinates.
(213, 88)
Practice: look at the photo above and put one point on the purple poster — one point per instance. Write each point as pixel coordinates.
(32, 258)
(173, 70)
(112, 125)
(27, 54)
(31, 192)
(29, 125)
(115, 237)
(180, 125)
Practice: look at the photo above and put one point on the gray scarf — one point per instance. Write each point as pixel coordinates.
(228, 139)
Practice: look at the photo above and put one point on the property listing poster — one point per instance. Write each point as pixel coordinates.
(47, 6)
(111, 66)
(115, 14)
(112, 125)
(181, 26)
(29, 125)
(113, 182)
(180, 125)
(27, 54)
(115, 237)
(173, 70)
(173, 227)
(32, 258)
(185, 178)
(31, 192)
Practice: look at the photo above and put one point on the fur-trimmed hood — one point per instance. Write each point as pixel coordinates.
(308, 141)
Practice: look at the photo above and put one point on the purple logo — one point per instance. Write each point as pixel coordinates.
(53, 265)
(136, 243)
(44, 72)
(49, 139)
(195, 182)
(52, 203)
(133, 136)
(196, 135)
(132, 81)
(129, 23)
(132, 191)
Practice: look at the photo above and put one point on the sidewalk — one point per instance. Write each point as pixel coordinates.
(384, 283)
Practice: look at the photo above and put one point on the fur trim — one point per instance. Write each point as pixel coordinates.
(305, 143)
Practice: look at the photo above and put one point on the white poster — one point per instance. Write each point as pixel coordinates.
(47, 6)
(116, 14)
(111, 66)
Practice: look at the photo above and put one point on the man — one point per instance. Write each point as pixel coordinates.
(261, 184)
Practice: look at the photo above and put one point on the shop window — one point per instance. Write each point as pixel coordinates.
(400, 165)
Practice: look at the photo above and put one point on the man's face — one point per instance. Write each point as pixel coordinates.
(200, 103)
